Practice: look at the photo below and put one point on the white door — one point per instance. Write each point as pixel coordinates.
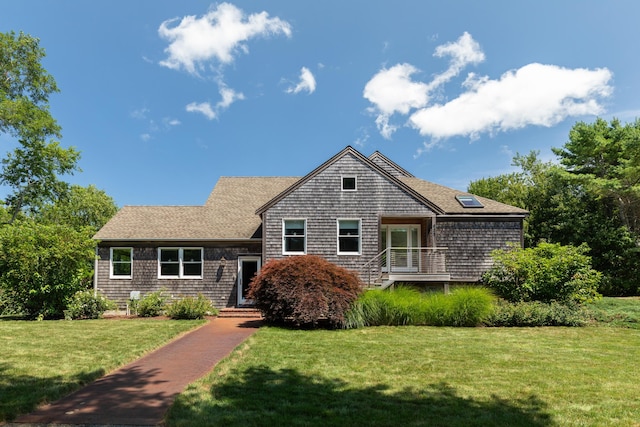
(403, 242)
(248, 266)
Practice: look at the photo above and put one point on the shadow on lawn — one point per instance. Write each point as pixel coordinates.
(263, 397)
(129, 393)
(20, 394)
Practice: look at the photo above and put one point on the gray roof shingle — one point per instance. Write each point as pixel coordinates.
(230, 211)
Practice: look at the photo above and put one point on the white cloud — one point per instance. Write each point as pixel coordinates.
(229, 96)
(392, 91)
(535, 94)
(202, 108)
(307, 82)
(218, 35)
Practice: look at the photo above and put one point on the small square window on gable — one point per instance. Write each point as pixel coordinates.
(469, 201)
(349, 183)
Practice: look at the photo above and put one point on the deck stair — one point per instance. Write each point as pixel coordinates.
(240, 312)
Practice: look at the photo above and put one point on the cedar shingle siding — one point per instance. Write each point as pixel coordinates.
(321, 201)
(244, 216)
(218, 282)
(470, 242)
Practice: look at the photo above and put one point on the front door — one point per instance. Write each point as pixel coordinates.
(403, 243)
(248, 266)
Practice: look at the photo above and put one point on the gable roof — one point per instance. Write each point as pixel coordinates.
(439, 198)
(390, 166)
(232, 210)
(347, 151)
(228, 214)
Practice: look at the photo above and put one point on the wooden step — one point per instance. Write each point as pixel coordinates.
(241, 312)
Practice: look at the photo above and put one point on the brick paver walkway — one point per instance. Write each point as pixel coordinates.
(140, 393)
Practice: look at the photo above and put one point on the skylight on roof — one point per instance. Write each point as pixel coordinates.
(469, 201)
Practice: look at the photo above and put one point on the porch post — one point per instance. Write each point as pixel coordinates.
(434, 240)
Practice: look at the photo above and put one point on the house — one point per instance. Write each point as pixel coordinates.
(364, 213)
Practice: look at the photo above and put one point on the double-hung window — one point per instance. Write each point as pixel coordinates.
(180, 263)
(349, 236)
(294, 239)
(121, 263)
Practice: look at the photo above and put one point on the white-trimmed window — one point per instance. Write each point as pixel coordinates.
(349, 236)
(294, 232)
(121, 263)
(180, 263)
(349, 183)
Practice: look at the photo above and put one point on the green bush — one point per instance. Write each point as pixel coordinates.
(304, 291)
(152, 304)
(548, 272)
(191, 308)
(468, 306)
(88, 305)
(536, 313)
(43, 266)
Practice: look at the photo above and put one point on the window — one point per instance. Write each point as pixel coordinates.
(469, 201)
(180, 263)
(293, 236)
(121, 263)
(348, 236)
(349, 183)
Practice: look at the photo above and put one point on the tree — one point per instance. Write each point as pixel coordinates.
(606, 158)
(32, 169)
(80, 207)
(43, 266)
(564, 210)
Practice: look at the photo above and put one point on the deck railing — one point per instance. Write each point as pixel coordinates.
(409, 260)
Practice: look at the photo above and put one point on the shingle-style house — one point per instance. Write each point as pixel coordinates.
(364, 213)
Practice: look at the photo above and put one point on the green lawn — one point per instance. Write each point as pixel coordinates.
(422, 376)
(42, 361)
(623, 312)
(381, 376)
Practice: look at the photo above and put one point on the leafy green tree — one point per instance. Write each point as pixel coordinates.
(564, 210)
(80, 207)
(606, 159)
(32, 169)
(42, 266)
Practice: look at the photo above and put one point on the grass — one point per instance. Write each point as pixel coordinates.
(422, 376)
(623, 312)
(376, 376)
(42, 361)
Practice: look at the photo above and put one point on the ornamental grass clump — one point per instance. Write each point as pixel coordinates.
(305, 291)
(466, 306)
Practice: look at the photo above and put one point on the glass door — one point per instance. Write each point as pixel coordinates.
(248, 266)
(403, 243)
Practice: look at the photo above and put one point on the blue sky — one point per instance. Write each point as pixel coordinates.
(164, 97)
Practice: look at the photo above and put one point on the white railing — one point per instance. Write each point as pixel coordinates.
(430, 260)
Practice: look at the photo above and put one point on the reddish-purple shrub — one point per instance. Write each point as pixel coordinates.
(304, 290)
